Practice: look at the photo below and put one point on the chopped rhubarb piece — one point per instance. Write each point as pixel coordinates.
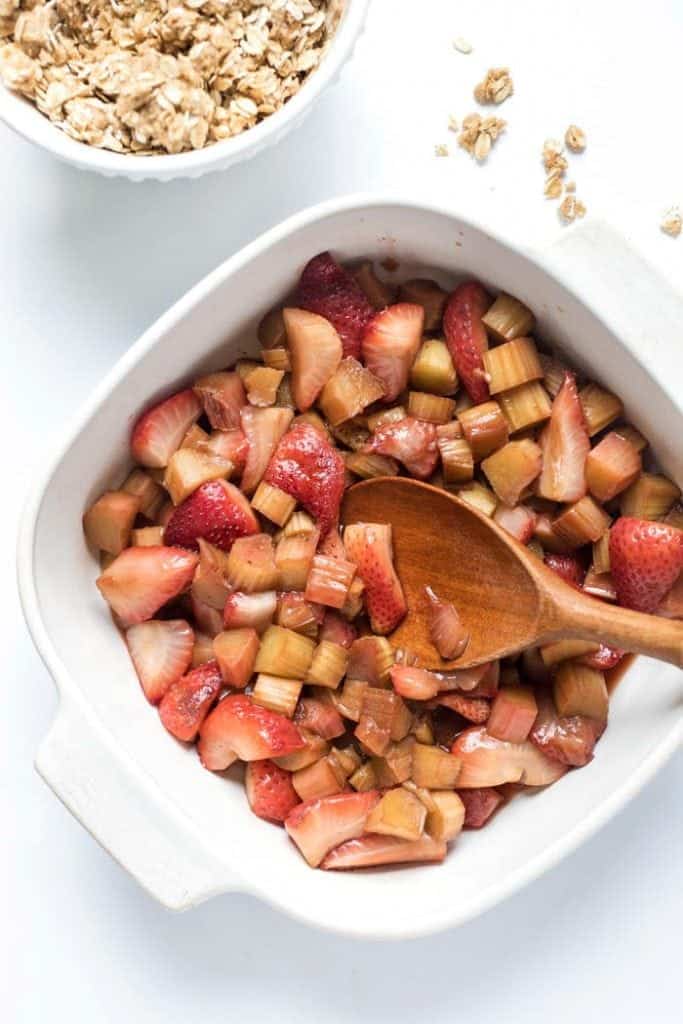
(149, 492)
(600, 585)
(369, 546)
(399, 813)
(563, 650)
(284, 653)
(367, 466)
(222, 397)
(378, 292)
(210, 584)
(390, 343)
(509, 318)
(263, 429)
(270, 792)
(108, 523)
(565, 740)
(319, 717)
(600, 408)
(511, 364)
(315, 351)
(350, 390)
(271, 330)
(140, 580)
(650, 497)
(235, 651)
(474, 709)
(611, 467)
(512, 468)
(254, 611)
(433, 369)
(329, 581)
(431, 408)
(457, 460)
(374, 850)
(414, 683)
(160, 430)
(434, 768)
(329, 665)
(324, 778)
(520, 521)
(238, 726)
(295, 612)
(329, 290)
(276, 693)
(277, 359)
(413, 442)
(580, 690)
(480, 805)
(337, 630)
(568, 567)
(466, 336)
(565, 445)
(189, 468)
(513, 713)
(147, 537)
(273, 503)
(314, 748)
(232, 445)
(262, 385)
(479, 681)
(446, 631)
(584, 522)
(216, 511)
(485, 429)
(209, 620)
(161, 652)
(251, 564)
(186, 703)
(202, 650)
(294, 558)
(646, 560)
(486, 761)
(426, 293)
(306, 466)
(317, 826)
(525, 406)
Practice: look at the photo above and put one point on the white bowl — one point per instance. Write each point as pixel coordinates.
(186, 834)
(21, 115)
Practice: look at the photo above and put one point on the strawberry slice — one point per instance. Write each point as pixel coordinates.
(161, 651)
(413, 442)
(232, 445)
(306, 466)
(390, 343)
(565, 445)
(319, 825)
(159, 431)
(372, 850)
(319, 717)
(369, 546)
(646, 560)
(216, 511)
(414, 683)
(466, 336)
(479, 805)
(222, 395)
(186, 703)
(327, 289)
(315, 352)
(565, 739)
(262, 428)
(239, 727)
(335, 628)
(519, 521)
(270, 792)
(603, 659)
(255, 611)
(474, 709)
(141, 580)
(568, 567)
(486, 761)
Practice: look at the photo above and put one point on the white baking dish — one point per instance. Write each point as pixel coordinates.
(24, 118)
(186, 834)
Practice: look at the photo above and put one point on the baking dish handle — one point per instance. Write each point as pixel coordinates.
(127, 815)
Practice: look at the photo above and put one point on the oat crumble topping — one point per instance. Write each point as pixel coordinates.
(495, 88)
(571, 208)
(478, 134)
(161, 76)
(440, 149)
(672, 222)
(575, 138)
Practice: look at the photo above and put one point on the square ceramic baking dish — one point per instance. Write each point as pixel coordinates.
(187, 834)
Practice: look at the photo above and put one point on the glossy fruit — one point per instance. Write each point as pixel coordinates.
(646, 560)
(216, 511)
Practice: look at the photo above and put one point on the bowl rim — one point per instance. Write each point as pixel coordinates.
(69, 693)
(19, 114)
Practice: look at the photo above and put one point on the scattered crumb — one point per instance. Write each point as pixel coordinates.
(440, 149)
(575, 138)
(571, 208)
(461, 45)
(495, 88)
(453, 124)
(570, 186)
(553, 185)
(479, 133)
(553, 159)
(672, 222)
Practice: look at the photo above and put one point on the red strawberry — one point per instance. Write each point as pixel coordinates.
(646, 559)
(411, 441)
(519, 521)
(160, 430)
(319, 717)
(479, 805)
(565, 445)
(371, 850)
(263, 428)
(369, 546)
(161, 652)
(336, 629)
(603, 659)
(230, 444)
(306, 466)
(568, 567)
(568, 739)
(486, 761)
(474, 709)
(390, 343)
(329, 290)
(270, 792)
(238, 726)
(250, 610)
(317, 826)
(315, 352)
(466, 336)
(216, 511)
(141, 580)
(222, 395)
(186, 703)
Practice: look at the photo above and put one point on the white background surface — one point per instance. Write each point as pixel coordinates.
(86, 264)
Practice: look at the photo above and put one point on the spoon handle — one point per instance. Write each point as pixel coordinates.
(588, 619)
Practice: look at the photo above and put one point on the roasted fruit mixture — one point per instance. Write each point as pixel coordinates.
(263, 633)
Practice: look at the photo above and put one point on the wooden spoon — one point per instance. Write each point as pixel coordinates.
(506, 597)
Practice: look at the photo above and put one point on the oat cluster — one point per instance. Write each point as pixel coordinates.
(478, 134)
(495, 88)
(161, 76)
(672, 223)
(556, 164)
